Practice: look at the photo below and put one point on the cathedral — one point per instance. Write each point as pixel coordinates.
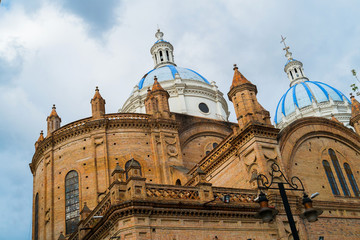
(170, 166)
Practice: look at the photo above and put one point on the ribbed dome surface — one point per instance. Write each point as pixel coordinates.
(168, 73)
(302, 94)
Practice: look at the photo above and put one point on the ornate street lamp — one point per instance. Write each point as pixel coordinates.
(310, 213)
(266, 213)
(277, 177)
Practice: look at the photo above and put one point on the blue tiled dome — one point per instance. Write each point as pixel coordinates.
(168, 73)
(301, 95)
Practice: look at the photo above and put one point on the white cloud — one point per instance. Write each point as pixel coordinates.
(50, 53)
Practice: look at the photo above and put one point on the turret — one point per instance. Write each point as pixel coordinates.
(97, 105)
(157, 101)
(162, 51)
(355, 114)
(243, 95)
(53, 121)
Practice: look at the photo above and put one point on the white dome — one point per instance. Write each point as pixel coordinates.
(190, 93)
(168, 72)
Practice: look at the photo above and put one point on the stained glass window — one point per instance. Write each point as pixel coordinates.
(339, 173)
(71, 201)
(331, 178)
(36, 220)
(352, 180)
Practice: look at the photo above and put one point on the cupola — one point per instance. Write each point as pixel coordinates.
(162, 51)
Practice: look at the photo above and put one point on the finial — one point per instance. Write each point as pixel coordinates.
(159, 35)
(149, 90)
(155, 78)
(235, 67)
(286, 48)
(41, 132)
(96, 88)
(53, 107)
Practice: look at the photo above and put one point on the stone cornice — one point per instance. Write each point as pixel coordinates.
(87, 125)
(240, 88)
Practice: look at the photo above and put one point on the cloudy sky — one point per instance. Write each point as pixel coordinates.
(57, 51)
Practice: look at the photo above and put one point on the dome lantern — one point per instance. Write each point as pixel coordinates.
(162, 51)
(293, 68)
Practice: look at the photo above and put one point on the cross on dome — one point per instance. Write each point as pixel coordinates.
(286, 48)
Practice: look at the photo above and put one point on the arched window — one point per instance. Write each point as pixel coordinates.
(178, 182)
(167, 55)
(339, 173)
(132, 162)
(215, 145)
(291, 75)
(71, 201)
(351, 178)
(161, 56)
(330, 177)
(36, 220)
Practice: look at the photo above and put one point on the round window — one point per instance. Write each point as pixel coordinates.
(203, 107)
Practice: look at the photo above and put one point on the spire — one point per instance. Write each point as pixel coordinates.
(157, 86)
(40, 139)
(53, 121)
(238, 78)
(97, 94)
(293, 67)
(53, 112)
(97, 105)
(162, 51)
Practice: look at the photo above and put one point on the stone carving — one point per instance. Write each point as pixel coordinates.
(269, 153)
(172, 193)
(236, 197)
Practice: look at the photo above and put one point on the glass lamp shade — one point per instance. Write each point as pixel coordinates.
(311, 214)
(267, 214)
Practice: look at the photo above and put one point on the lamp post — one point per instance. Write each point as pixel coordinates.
(279, 181)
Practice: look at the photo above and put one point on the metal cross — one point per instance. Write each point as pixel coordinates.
(286, 48)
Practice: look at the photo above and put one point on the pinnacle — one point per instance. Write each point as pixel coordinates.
(97, 93)
(157, 86)
(41, 137)
(238, 78)
(53, 112)
(85, 208)
(355, 107)
(333, 118)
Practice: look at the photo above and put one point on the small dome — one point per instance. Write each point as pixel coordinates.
(303, 94)
(168, 72)
(290, 60)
